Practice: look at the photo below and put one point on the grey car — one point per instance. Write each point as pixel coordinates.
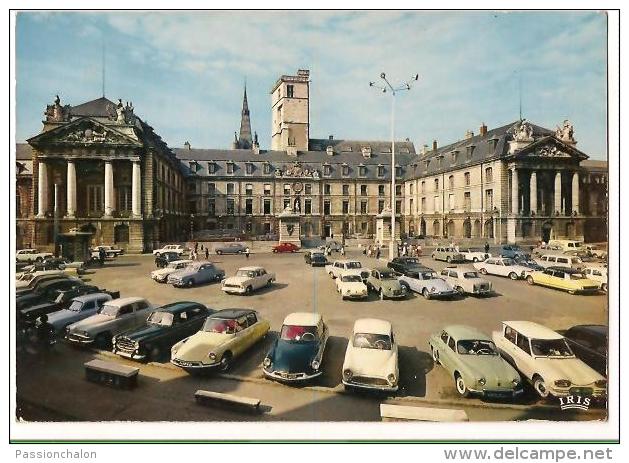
(448, 254)
(231, 248)
(79, 309)
(196, 273)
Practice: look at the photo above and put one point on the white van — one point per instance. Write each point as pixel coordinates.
(559, 260)
(597, 273)
(566, 245)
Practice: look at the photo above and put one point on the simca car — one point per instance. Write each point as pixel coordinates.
(503, 267)
(384, 282)
(161, 275)
(426, 282)
(285, 247)
(116, 316)
(474, 255)
(195, 273)
(589, 343)
(351, 286)
(512, 251)
(247, 280)
(466, 280)
(597, 273)
(347, 266)
(401, 265)
(178, 248)
(79, 309)
(31, 255)
(315, 259)
(164, 327)
(371, 358)
(471, 359)
(447, 254)
(564, 278)
(231, 248)
(544, 358)
(225, 335)
(166, 258)
(560, 260)
(298, 352)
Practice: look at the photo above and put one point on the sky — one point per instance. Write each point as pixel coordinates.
(185, 71)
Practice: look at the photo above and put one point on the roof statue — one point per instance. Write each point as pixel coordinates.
(57, 113)
(522, 131)
(566, 132)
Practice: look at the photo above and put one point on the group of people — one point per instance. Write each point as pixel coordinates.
(372, 251)
(409, 250)
(194, 254)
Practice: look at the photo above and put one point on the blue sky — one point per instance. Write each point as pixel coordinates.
(184, 72)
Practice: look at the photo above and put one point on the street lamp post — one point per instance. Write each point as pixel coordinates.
(393, 91)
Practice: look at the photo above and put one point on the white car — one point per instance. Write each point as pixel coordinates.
(544, 357)
(560, 260)
(347, 266)
(597, 273)
(161, 274)
(31, 255)
(25, 279)
(247, 280)
(351, 286)
(178, 248)
(466, 280)
(474, 255)
(371, 358)
(427, 283)
(503, 267)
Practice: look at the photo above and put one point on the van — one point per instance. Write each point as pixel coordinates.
(566, 245)
(560, 260)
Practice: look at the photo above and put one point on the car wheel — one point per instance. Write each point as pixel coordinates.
(604, 287)
(483, 271)
(226, 361)
(461, 388)
(381, 295)
(426, 293)
(540, 387)
(475, 259)
(513, 276)
(103, 340)
(529, 280)
(248, 290)
(435, 356)
(460, 290)
(219, 252)
(39, 259)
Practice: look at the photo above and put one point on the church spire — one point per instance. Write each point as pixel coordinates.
(245, 141)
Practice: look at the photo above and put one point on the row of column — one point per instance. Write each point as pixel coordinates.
(42, 192)
(515, 196)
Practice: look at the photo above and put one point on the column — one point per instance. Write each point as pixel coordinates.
(109, 188)
(515, 197)
(42, 190)
(533, 192)
(575, 192)
(557, 207)
(71, 190)
(136, 189)
(56, 205)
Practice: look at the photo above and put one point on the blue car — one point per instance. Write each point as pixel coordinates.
(513, 251)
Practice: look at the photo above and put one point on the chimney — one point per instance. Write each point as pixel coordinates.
(483, 130)
(469, 134)
(330, 137)
(407, 139)
(424, 149)
(434, 145)
(303, 73)
(187, 145)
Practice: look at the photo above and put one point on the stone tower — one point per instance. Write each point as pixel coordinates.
(244, 141)
(290, 113)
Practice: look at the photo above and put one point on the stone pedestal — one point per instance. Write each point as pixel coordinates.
(383, 228)
(290, 231)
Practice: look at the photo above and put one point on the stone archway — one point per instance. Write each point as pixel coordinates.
(467, 228)
(436, 228)
(547, 229)
(476, 230)
(422, 227)
(489, 228)
(450, 229)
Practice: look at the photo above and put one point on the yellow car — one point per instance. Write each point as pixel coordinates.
(564, 278)
(225, 335)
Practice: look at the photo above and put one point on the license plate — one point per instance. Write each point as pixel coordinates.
(498, 395)
(581, 390)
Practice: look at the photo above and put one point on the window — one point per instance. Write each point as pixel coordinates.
(380, 206)
(489, 199)
(124, 198)
(467, 178)
(510, 334)
(436, 207)
(326, 207)
(211, 189)
(470, 152)
(267, 206)
(410, 188)
(249, 168)
(489, 175)
(380, 171)
(380, 190)
(290, 91)
(345, 170)
(230, 188)
(211, 207)
(345, 190)
(211, 168)
(410, 205)
(287, 188)
(467, 201)
(363, 207)
(95, 197)
(267, 168)
(362, 171)
(230, 207)
(423, 186)
(523, 343)
(308, 188)
(308, 206)
(423, 205)
(398, 190)
(267, 189)
(398, 207)
(286, 203)
(451, 182)
(345, 207)
(249, 189)
(230, 167)
(451, 343)
(436, 184)
(444, 337)
(451, 202)
(327, 170)
(363, 190)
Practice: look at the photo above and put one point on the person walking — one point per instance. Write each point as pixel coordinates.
(247, 253)
(207, 254)
(342, 250)
(378, 252)
(486, 247)
(196, 247)
(101, 256)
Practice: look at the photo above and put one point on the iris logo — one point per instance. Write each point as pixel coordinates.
(574, 402)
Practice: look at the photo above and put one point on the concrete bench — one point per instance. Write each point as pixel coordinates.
(406, 413)
(111, 374)
(219, 399)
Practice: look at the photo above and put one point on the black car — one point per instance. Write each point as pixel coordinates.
(31, 308)
(316, 259)
(164, 328)
(166, 258)
(529, 263)
(401, 265)
(589, 343)
(46, 291)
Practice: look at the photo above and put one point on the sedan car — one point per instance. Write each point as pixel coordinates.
(31, 255)
(401, 265)
(447, 254)
(46, 292)
(466, 280)
(178, 248)
(544, 358)
(196, 273)
(231, 248)
(564, 278)
(384, 282)
(589, 343)
(285, 247)
(298, 352)
(474, 254)
(351, 286)
(225, 335)
(512, 251)
(503, 267)
(162, 260)
(347, 266)
(529, 263)
(164, 327)
(315, 259)
(161, 275)
(27, 281)
(426, 281)
(371, 358)
(80, 308)
(472, 360)
(247, 280)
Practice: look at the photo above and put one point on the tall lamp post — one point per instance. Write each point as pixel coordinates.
(393, 91)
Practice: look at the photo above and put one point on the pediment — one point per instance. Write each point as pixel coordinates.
(84, 131)
(551, 148)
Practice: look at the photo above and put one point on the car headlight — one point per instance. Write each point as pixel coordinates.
(515, 381)
(315, 364)
(482, 381)
(266, 362)
(562, 383)
(433, 289)
(391, 379)
(212, 356)
(347, 374)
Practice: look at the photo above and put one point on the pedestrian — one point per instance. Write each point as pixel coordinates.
(342, 250)
(196, 247)
(418, 250)
(486, 247)
(378, 252)
(207, 254)
(193, 255)
(201, 247)
(247, 253)
(101, 256)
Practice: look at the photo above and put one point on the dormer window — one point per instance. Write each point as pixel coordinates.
(267, 168)
(249, 168)
(426, 164)
(327, 170)
(470, 152)
(398, 171)
(386, 150)
(362, 171)
(493, 143)
(211, 168)
(455, 155)
(366, 151)
(345, 170)
(380, 171)
(346, 149)
(230, 167)
(330, 151)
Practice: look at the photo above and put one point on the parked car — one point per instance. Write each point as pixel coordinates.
(53, 264)
(472, 360)
(401, 265)
(512, 251)
(334, 246)
(162, 260)
(164, 327)
(384, 282)
(544, 358)
(115, 317)
(528, 263)
(474, 254)
(46, 292)
(589, 343)
(426, 281)
(347, 266)
(561, 260)
(285, 247)
(161, 275)
(196, 273)
(315, 259)
(297, 354)
(564, 278)
(27, 281)
(231, 248)
(597, 273)
(351, 286)
(80, 308)
(447, 254)
(178, 248)
(225, 335)
(503, 267)
(247, 280)
(466, 280)
(567, 245)
(31, 255)
(371, 358)
(598, 251)
(546, 249)
(110, 251)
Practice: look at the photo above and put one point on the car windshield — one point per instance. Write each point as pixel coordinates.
(476, 347)
(161, 318)
(353, 265)
(387, 276)
(551, 348)
(246, 273)
(173, 265)
(75, 306)
(299, 333)
(109, 310)
(351, 278)
(372, 341)
(470, 275)
(217, 325)
(577, 276)
(318, 257)
(428, 275)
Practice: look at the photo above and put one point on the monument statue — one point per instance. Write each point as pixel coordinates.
(566, 132)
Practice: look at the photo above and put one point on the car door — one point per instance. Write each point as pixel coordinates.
(245, 335)
(126, 319)
(196, 316)
(447, 355)
(141, 312)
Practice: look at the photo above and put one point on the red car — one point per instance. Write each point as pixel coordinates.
(285, 247)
